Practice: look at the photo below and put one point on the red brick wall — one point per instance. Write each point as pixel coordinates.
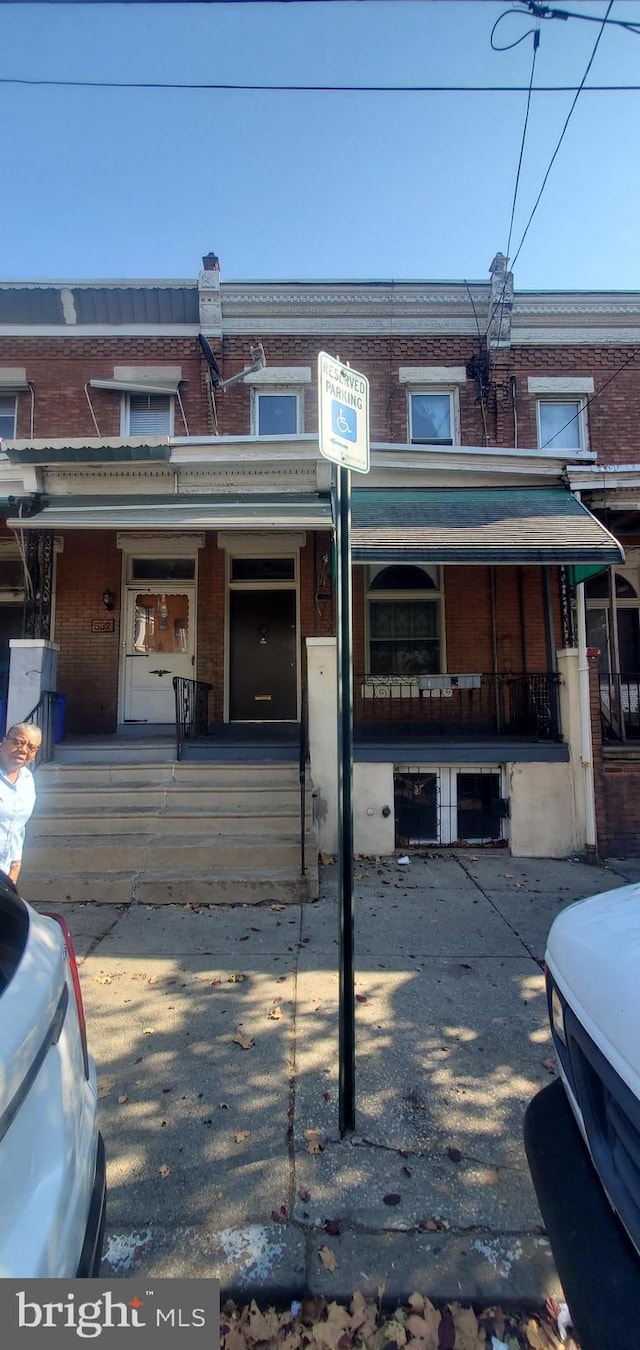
(59, 369)
(88, 662)
(616, 785)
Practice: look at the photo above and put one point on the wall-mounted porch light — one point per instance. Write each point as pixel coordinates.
(108, 598)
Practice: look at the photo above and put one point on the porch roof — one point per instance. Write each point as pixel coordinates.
(299, 510)
(478, 525)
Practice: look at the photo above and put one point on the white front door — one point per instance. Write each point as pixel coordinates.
(159, 643)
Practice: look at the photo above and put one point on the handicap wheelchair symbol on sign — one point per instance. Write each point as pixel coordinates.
(344, 421)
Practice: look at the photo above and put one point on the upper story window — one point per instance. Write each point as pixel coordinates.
(404, 612)
(276, 413)
(433, 405)
(277, 400)
(432, 418)
(561, 424)
(147, 415)
(7, 416)
(561, 411)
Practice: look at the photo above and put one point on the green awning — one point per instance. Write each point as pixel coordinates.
(478, 525)
(120, 450)
(257, 511)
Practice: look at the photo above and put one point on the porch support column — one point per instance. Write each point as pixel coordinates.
(323, 735)
(568, 625)
(39, 589)
(552, 664)
(33, 671)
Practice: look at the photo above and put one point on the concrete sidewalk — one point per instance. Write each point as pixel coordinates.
(215, 1033)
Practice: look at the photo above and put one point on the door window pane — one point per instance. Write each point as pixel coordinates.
(161, 623)
(629, 641)
(416, 808)
(479, 815)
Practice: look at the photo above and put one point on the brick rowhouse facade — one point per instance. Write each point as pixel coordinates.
(60, 346)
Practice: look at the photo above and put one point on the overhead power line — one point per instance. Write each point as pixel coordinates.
(324, 88)
(562, 134)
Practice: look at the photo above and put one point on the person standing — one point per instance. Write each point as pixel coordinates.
(17, 792)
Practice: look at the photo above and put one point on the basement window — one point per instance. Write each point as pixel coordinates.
(448, 805)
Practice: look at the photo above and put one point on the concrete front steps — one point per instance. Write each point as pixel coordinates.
(169, 833)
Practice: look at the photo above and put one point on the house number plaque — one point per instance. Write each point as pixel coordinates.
(103, 625)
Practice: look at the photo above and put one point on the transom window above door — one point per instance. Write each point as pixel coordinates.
(276, 413)
(431, 418)
(147, 415)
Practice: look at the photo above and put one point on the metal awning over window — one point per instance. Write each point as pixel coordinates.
(303, 511)
(478, 525)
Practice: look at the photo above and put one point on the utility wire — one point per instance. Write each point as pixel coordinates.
(511, 262)
(500, 302)
(328, 88)
(562, 134)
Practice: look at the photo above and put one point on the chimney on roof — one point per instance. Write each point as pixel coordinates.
(211, 262)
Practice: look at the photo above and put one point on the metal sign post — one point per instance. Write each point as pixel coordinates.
(344, 439)
(347, 1029)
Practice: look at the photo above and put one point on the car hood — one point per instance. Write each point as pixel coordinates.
(593, 953)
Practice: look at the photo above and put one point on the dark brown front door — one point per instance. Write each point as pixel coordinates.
(262, 679)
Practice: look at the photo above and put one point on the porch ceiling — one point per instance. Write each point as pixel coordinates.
(478, 525)
(304, 511)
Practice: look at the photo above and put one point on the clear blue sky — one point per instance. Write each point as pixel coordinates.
(141, 183)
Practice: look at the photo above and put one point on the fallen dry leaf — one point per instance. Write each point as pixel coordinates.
(235, 978)
(550, 1066)
(105, 1084)
(316, 1141)
(424, 1325)
(164, 1170)
(468, 1334)
(244, 1041)
(103, 979)
(275, 1014)
(122, 1099)
(328, 1258)
(262, 1326)
(241, 1135)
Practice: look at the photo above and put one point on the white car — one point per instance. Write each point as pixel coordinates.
(582, 1132)
(52, 1162)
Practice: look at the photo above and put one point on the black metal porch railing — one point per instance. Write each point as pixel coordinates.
(43, 716)
(192, 710)
(620, 706)
(457, 706)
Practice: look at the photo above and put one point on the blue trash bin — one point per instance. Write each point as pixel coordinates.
(58, 718)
